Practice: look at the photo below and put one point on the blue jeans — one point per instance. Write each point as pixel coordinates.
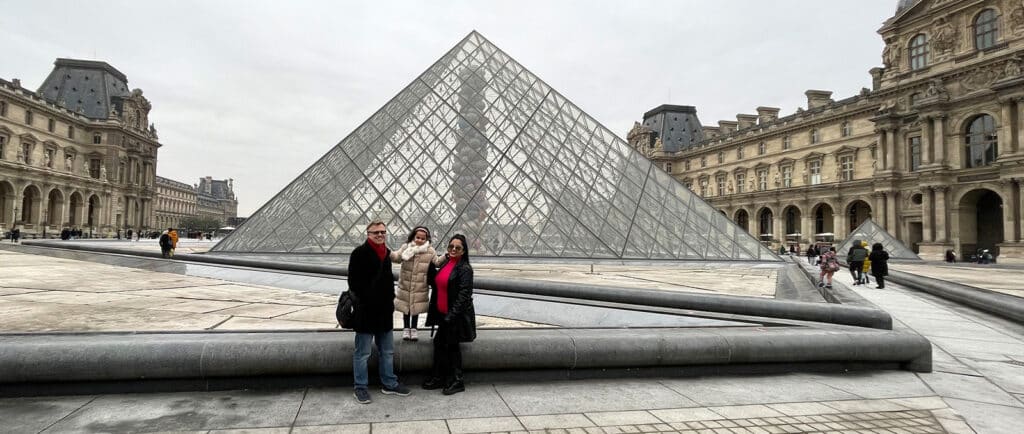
(386, 366)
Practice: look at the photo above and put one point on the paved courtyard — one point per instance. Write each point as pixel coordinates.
(977, 384)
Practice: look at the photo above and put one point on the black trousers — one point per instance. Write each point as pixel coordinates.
(880, 279)
(856, 269)
(447, 355)
(410, 321)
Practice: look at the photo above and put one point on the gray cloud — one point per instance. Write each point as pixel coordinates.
(259, 90)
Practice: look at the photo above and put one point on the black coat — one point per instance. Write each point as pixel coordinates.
(879, 262)
(372, 283)
(461, 314)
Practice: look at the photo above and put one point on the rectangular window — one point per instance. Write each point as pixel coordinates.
(686, 165)
(28, 117)
(739, 153)
(762, 179)
(915, 153)
(49, 158)
(720, 181)
(741, 179)
(94, 168)
(51, 125)
(787, 176)
(814, 167)
(71, 131)
(668, 167)
(703, 161)
(721, 157)
(26, 152)
(787, 143)
(846, 167)
(97, 138)
(704, 188)
(3, 108)
(762, 148)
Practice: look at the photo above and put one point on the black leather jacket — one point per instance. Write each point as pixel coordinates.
(461, 314)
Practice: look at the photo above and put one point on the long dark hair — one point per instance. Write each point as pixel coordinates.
(877, 247)
(412, 235)
(465, 246)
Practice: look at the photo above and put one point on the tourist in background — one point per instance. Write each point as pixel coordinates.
(879, 264)
(174, 239)
(165, 243)
(413, 292)
(811, 253)
(451, 310)
(371, 281)
(829, 265)
(866, 270)
(855, 257)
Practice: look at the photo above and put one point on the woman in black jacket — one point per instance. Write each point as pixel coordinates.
(879, 264)
(451, 310)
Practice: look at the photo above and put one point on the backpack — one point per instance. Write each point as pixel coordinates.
(346, 309)
(165, 240)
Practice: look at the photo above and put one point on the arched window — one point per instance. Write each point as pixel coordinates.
(918, 52)
(765, 223)
(986, 29)
(981, 141)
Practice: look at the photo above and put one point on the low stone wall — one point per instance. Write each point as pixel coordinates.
(29, 361)
(997, 303)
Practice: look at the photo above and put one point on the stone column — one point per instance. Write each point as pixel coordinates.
(1020, 127)
(939, 139)
(890, 149)
(1005, 128)
(777, 226)
(890, 213)
(926, 143)
(806, 224)
(927, 215)
(941, 233)
(1009, 210)
(878, 209)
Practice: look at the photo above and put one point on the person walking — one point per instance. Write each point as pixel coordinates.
(415, 256)
(165, 244)
(855, 257)
(811, 253)
(174, 239)
(829, 265)
(371, 281)
(866, 270)
(879, 264)
(451, 310)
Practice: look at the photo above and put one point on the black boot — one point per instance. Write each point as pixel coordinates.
(455, 387)
(433, 383)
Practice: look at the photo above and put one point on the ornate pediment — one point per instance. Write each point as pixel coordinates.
(785, 162)
(814, 156)
(762, 165)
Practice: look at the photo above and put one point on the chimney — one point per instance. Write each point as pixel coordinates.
(876, 77)
(767, 114)
(710, 131)
(727, 127)
(746, 121)
(818, 98)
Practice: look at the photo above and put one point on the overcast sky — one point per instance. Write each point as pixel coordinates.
(259, 90)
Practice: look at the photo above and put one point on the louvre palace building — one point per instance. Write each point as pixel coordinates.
(932, 151)
(77, 153)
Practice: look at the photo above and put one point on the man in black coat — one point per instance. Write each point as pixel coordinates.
(371, 281)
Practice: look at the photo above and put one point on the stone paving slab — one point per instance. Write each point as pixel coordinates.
(999, 279)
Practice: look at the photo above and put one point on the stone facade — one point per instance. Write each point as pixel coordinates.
(175, 200)
(932, 151)
(77, 153)
(209, 198)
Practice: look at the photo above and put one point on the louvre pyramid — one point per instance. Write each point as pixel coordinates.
(873, 233)
(480, 146)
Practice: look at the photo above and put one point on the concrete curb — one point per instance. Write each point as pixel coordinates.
(1006, 306)
(118, 357)
(817, 312)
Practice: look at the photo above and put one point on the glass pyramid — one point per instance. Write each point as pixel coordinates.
(480, 146)
(873, 233)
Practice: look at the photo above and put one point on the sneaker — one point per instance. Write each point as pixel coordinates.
(821, 285)
(362, 396)
(413, 335)
(399, 390)
(405, 334)
(829, 286)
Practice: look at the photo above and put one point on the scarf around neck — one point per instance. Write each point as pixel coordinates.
(411, 250)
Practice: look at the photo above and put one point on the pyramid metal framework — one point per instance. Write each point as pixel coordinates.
(873, 233)
(480, 146)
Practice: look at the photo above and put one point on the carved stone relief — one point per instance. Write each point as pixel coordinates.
(1016, 19)
(943, 38)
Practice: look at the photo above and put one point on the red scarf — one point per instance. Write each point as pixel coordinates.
(442, 285)
(381, 249)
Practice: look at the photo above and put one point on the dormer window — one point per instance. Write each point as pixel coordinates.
(918, 52)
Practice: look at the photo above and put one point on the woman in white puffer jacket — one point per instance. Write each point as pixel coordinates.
(413, 293)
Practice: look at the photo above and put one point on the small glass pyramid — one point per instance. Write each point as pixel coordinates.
(480, 146)
(873, 233)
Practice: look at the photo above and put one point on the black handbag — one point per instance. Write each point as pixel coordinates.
(346, 311)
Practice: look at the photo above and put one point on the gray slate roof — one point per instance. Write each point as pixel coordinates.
(676, 125)
(85, 86)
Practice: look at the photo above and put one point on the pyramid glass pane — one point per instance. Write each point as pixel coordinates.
(873, 233)
(478, 145)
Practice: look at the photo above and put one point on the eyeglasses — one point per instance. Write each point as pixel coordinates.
(376, 232)
(453, 247)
